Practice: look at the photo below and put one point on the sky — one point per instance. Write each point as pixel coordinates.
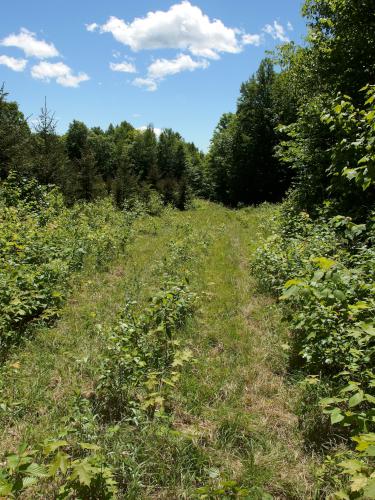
(173, 64)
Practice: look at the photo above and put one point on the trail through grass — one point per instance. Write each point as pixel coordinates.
(228, 428)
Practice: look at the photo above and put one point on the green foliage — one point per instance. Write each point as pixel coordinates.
(142, 360)
(320, 258)
(143, 357)
(352, 155)
(241, 159)
(41, 244)
(87, 164)
(341, 44)
(325, 271)
(303, 147)
(329, 146)
(14, 136)
(84, 476)
(230, 489)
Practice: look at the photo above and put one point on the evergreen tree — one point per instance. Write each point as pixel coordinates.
(125, 185)
(48, 154)
(83, 181)
(104, 150)
(15, 137)
(241, 159)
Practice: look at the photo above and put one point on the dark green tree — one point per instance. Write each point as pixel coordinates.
(47, 149)
(242, 159)
(15, 137)
(82, 180)
(220, 158)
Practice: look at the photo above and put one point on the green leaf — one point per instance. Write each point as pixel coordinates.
(356, 399)
(369, 398)
(13, 461)
(83, 471)
(29, 481)
(61, 462)
(369, 490)
(36, 470)
(51, 446)
(292, 290)
(351, 467)
(370, 451)
(324, 263)
(336, 416)
(295, 281)
(341, 495)
(350, 173)
(358, 482)
(5, 488)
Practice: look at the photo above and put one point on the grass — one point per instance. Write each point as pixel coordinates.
(231, 415)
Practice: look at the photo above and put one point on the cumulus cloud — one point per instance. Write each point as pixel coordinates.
(290, 26)
(161, 68)
(146, 83)
(13, 63)
(91, 27)
(254, 39)
(277, 31)
(183, 27)
(124, 67)
(32, 47)
(60, 72)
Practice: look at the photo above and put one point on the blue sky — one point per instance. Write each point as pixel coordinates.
(180, 64)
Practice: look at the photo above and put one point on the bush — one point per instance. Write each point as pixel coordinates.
(42, 243)
(324, 270)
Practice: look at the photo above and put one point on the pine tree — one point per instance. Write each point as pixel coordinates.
(48, 154)
(15, 137)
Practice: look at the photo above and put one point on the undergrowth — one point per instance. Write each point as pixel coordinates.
(42, 243)
(136, 374)
(323, 271)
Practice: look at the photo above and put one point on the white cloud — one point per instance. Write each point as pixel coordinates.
(58, 71)
(91, 27)
(124, 67)
(183, 27)
(13, 63)
(157, 130)
(290, 26)
(161, 68)
(254, 39)
(277, 31)
(26, 40)
(146, 83)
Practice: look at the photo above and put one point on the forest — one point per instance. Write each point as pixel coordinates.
(180, 324)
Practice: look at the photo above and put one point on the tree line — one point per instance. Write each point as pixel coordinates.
(88, 163)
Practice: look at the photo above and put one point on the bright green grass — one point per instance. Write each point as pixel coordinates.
(231, 415)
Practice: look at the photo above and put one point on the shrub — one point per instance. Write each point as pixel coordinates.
(42, 243)
(324, 271)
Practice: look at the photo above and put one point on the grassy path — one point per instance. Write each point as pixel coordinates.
(230, 418)
(234, 400)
